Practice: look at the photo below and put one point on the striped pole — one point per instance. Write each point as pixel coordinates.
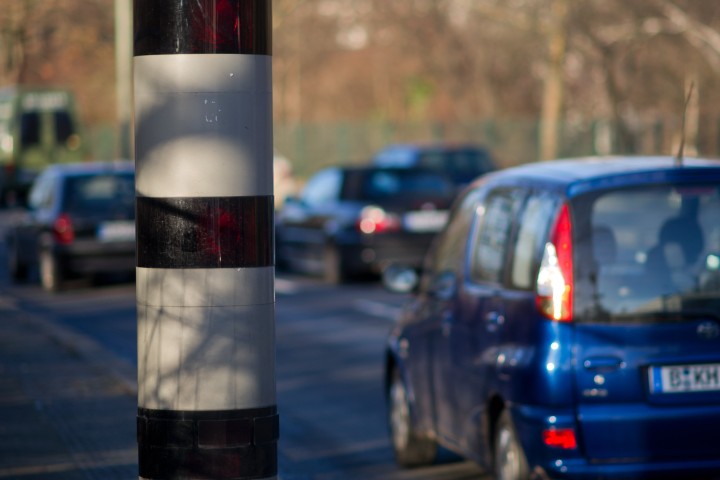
(205, 276)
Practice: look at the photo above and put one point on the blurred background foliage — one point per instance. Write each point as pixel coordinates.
(529, 79)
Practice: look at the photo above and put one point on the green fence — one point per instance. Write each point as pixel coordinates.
(512, 142)
(311, 146)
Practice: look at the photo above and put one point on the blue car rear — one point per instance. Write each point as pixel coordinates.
(577, 334)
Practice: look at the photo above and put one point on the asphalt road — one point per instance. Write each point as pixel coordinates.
(330, 344)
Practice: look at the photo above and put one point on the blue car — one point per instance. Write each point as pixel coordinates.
(566, 324)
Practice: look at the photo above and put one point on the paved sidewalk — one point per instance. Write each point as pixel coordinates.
(66, 410)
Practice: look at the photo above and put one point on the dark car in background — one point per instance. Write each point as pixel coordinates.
(80, 221)
(354, 220)
(567, 325)
(462, 163)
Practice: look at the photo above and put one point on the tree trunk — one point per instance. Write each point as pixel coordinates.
(553, 89)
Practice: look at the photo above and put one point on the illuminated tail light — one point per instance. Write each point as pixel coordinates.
(563, 438)
(376, 220)
(555, 278)
(63, 230)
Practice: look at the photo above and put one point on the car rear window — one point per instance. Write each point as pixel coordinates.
(390, 185)
(647, 254)
(462, 166)
(100, 194)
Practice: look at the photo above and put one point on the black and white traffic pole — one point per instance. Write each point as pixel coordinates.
(205, 276)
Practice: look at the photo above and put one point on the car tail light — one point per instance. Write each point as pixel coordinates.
(560, 438)
(555, 278)
(63, 229)
(376, 220)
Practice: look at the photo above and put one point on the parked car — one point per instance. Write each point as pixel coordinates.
(80, 220)
(566, 324)
(462, 163)
(354, 220)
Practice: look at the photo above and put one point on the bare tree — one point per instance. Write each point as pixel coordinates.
(18, 35)
(553, 91)
(62, 42)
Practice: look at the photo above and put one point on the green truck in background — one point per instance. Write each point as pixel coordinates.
(38, 127)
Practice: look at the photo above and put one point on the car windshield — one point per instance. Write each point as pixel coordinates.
(399, 184)
(100, 194)
(647, 254)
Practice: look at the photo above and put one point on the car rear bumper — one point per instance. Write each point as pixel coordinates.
(581, 470)
(89, 258)
(374, 253)
(555, 463)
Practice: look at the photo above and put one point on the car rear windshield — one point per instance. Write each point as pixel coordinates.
(103, 194)
(463, 166)
(393, 185)
(647, 254)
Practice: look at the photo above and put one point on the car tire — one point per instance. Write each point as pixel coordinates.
(18, 270)
(333, 266)
(411, 449)
(51, 277)
(509, 458)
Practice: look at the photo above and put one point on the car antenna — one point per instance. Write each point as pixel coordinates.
(680, 157)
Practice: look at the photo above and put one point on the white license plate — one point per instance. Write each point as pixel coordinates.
(116, 231)
(685, 378)
(425, 220)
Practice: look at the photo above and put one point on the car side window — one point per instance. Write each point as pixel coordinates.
(532, 232)
(450, 248)
(493, 234)
(323, 187)
(42, 193)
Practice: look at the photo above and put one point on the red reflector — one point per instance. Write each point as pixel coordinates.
(560, 438)
(223, 26)
(63, 229)
(220, 232)
(216, 25)
(202, 26)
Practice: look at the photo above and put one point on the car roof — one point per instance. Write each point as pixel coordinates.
(94, 167)
(432, 146)
(577, 175)
(382, 168)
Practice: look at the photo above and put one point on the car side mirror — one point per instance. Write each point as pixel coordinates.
(400, 278)
(444, 286)
(292, 200)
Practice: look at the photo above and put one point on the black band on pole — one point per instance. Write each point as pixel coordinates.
(203, 26)
(205, 232)
(218, 445)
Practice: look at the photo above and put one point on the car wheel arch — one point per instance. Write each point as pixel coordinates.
(411, 447)
(390, 366)
(493, 410)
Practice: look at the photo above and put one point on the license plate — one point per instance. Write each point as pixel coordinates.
(117, 231)
(685, 378)
(425, 220)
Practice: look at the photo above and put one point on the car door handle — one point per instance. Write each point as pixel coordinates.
(603, 363)
(493, 321)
